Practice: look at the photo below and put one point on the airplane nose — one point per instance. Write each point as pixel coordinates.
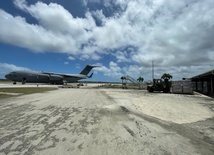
(7, 76)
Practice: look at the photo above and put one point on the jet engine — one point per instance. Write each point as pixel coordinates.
(55, 78)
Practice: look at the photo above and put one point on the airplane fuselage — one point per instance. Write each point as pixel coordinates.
(47, 77)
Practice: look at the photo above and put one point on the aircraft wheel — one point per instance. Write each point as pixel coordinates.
(24, 80)
(14, 82)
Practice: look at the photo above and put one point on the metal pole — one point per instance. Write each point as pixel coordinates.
(152, 70)
(211, 81)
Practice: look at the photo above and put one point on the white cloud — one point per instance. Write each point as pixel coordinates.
(66, 63)
(177, 35)
(6, 68)
(113, 71)
(134, 70)
(122, 56)
(71, 58)
(57, 31)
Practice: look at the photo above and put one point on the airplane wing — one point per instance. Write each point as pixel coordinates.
(50, 73)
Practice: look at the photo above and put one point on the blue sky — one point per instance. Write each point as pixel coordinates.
(121, 36)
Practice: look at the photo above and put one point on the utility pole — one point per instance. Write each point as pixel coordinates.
(152, 70)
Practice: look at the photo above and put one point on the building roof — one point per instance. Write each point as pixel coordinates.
(208, 74)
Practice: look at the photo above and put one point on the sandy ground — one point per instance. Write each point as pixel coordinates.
(106, 121)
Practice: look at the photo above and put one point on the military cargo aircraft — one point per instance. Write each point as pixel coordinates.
(48, 77)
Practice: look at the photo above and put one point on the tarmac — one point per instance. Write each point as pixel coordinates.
(92, 121)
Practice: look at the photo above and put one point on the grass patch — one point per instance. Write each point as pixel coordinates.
(28, 90)
(4, 81)
(4, 96)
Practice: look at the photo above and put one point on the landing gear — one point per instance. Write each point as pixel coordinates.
(14, 82)
(23, 80)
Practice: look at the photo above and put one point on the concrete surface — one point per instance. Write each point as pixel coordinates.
(106, 121)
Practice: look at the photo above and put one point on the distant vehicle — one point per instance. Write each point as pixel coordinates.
(80, 84)
(159, 85)
(48, 77)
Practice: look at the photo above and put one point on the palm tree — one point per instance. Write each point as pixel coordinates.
(123, 83)
(140, 79)
(166, 76)
(123, 78)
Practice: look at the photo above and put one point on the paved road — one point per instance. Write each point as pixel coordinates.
(95, 121)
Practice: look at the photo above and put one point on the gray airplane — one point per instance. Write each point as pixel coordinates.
(48, 77)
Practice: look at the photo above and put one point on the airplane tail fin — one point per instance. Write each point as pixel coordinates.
(87, 69)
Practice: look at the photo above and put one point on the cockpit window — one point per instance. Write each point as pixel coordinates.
(13, 74)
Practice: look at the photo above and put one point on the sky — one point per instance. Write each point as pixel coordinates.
(123, 37)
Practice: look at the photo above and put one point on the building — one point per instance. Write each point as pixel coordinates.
(204, 83)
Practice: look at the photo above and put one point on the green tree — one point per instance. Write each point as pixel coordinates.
(166, 76)
(123, 83)
(123, 78)
(167, 83)
(140, 79)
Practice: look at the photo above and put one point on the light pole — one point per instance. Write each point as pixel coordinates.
(152, 70)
